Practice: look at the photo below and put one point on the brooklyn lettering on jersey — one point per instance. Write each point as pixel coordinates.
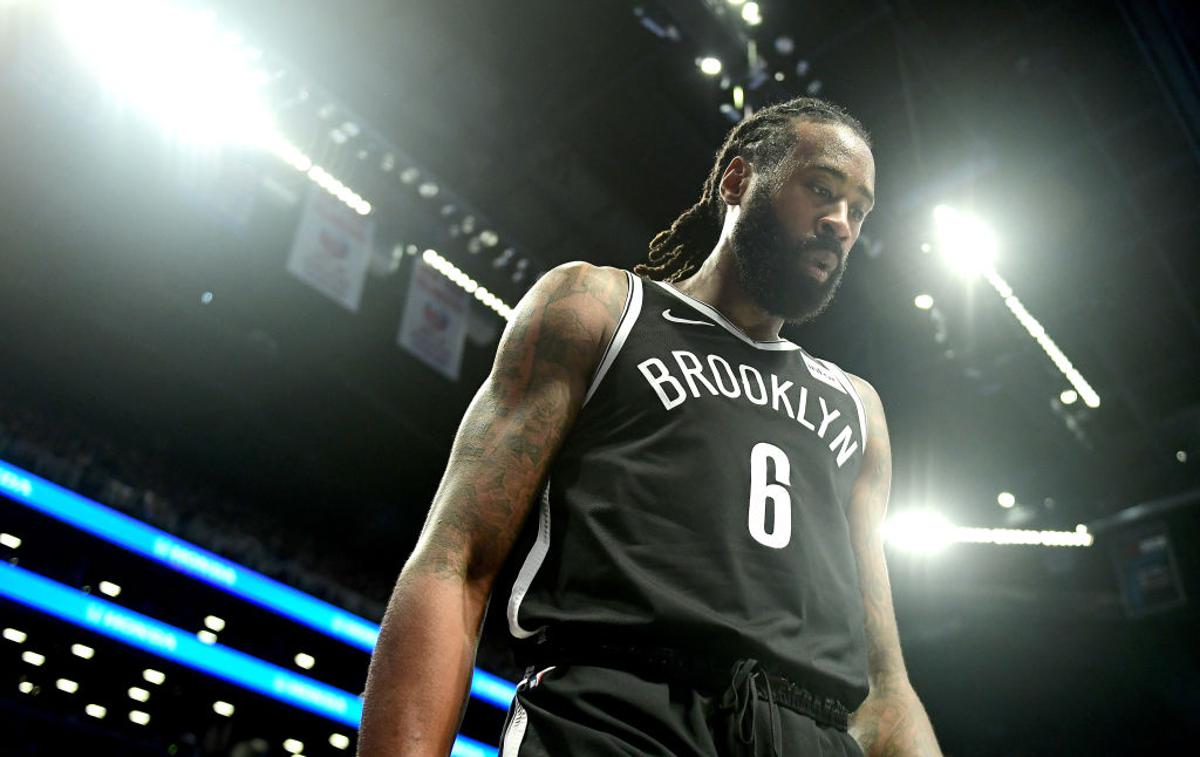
(718, 378)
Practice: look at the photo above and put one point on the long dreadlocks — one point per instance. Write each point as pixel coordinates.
(766, 138)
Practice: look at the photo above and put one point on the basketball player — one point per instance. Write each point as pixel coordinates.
(690, 505)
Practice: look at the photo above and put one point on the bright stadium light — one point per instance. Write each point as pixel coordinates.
(709, 65)
(10, 541)
(294, 746)
(214, 623)
(1068, 397)
(25, 687)
(926, 532)
(921, 531)
(33, 658)
(155, 677)
(305, 660)
(224, 709)
(83, 650)
(923, 302)
(139, 717)
(1006, 499)
(965, 241)
(67, 685)
(173, 64)
(96, 711)
(443, 266)
(138, 694)
(968, 244)
(752, 14)
(109, 589)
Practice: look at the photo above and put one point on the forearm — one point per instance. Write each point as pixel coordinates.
(420, 671)
(892, 722)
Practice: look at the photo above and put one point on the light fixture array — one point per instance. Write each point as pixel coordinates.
(459, 277)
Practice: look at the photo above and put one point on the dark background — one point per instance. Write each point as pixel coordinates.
(578, 134)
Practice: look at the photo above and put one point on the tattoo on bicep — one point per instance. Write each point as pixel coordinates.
(517, 422)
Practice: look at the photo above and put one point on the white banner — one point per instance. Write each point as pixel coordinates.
(332, 249)
(434, 325)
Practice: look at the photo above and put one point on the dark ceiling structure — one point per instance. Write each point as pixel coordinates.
(580, 129)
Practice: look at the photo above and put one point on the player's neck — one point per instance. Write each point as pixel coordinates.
(716, 284)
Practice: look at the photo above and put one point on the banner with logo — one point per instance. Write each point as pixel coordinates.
(434, 325)
(332, 249)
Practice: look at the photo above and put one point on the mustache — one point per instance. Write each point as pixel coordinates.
(829, 244)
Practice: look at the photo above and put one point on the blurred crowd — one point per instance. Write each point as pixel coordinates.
(139, 483)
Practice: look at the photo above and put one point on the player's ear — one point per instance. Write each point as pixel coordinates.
(735, 181)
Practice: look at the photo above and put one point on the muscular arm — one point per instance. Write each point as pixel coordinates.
(891, 721)
(421, 669)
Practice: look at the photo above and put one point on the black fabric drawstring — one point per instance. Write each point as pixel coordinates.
(742, 696)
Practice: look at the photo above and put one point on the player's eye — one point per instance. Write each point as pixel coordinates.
(820, 190)
(857, 214)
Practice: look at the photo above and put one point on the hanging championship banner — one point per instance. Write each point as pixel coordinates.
(434, 325)
(332, 249)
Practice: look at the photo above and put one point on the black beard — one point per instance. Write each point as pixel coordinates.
(769, 268)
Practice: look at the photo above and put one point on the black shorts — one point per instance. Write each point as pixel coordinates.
(586, 711)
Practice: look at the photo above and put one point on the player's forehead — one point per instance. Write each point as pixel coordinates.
(833, 146)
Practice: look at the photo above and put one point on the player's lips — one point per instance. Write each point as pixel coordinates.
(820, 263)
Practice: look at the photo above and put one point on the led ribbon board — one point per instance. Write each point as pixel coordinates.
(177, 645)
(138, 537)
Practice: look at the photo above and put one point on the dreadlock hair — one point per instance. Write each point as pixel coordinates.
(766, 138)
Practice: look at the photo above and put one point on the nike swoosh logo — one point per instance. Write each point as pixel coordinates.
(676, 319)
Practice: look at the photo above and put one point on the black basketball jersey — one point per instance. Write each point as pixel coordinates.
(699, 502)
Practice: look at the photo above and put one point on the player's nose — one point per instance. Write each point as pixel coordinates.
(835, 222)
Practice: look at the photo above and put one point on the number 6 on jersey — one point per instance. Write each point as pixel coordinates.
(762, 490)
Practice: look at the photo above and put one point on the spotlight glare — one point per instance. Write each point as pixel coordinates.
(25, 687)
(108, 588)
(96, 711)
(33, 658)
(305, 660)
(139, 717)
(1068, 396)
(966, 242)
(82, 650)
(923, 301)
(224, 709)
(214, 623)
(67, 685)
(154, 676)
(138, 694)
(752, 14)
(710, 65)
(10, 541)
(206, 636)
(920, 531)
(1006, 499)
(294, 746)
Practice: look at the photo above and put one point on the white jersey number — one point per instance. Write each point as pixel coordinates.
(775, 491)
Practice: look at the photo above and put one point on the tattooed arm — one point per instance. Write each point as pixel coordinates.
(421, 670)
(891, 721)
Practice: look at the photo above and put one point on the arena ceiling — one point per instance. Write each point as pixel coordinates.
(581, 133)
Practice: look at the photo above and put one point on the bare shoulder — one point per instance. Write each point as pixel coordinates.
(577, 302)
(865, 390)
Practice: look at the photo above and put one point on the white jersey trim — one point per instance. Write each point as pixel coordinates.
(725, 323)
(515, 733)
(533, 562)
(858, 403)
(633, 307)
